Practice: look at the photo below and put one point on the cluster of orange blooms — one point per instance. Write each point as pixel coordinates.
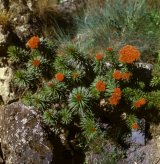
(109, 49)
(116, 96)
(33, 42)
(139, 103)
(129, 54)
(99, 57)
(119, 75)
(134, 126)
(59, 76)
(100, 86)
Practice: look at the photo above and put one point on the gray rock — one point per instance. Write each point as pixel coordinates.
(110, 154)
(145, 154)
(150, 153)
(138, 137)
(23, 139)
(144, 65)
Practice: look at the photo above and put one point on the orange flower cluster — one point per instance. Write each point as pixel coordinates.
(100, 86)
(139, 103)
(119, 75)
(36, 63)
(59, 76)
(116, 96)
(129, 54)
(99, 57)
(33, 42)
(135, 126)
(78, 97)
(109, 49)
(75, 75)
(126, 76)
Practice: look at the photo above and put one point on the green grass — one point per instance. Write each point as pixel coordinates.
(119, 23)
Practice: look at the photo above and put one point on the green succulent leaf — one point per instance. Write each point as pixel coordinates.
(66, 116)
(79, 99)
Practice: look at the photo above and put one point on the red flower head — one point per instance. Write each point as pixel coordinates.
(33, 42)
(59, 76)
(99, 57)
(126, 75)
(36, 62)
(100, 86)
(115, 97)
(113, 101)
(139, 103)
(135, 126)
(109, 49)
(117, 75)
(128, 54)
(118, 91)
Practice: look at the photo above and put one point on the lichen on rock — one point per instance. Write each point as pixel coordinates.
(23, 139)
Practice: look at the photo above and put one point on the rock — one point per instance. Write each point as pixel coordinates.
(109, 154)
(5, 78)
(135, 153)
(144, 154)
(1, 160)
(23, 139)
(4, 40)
(24, 22)
(138, 137)
(147, 66)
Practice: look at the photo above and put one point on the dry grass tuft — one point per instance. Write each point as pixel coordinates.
(46, 11)
(44, 6)
(95, 3)
(154, 3)
(4, 18)
(53, 17)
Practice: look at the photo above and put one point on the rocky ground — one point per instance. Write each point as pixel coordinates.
(135, 154)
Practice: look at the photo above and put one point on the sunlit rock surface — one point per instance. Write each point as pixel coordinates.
(5, 78)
